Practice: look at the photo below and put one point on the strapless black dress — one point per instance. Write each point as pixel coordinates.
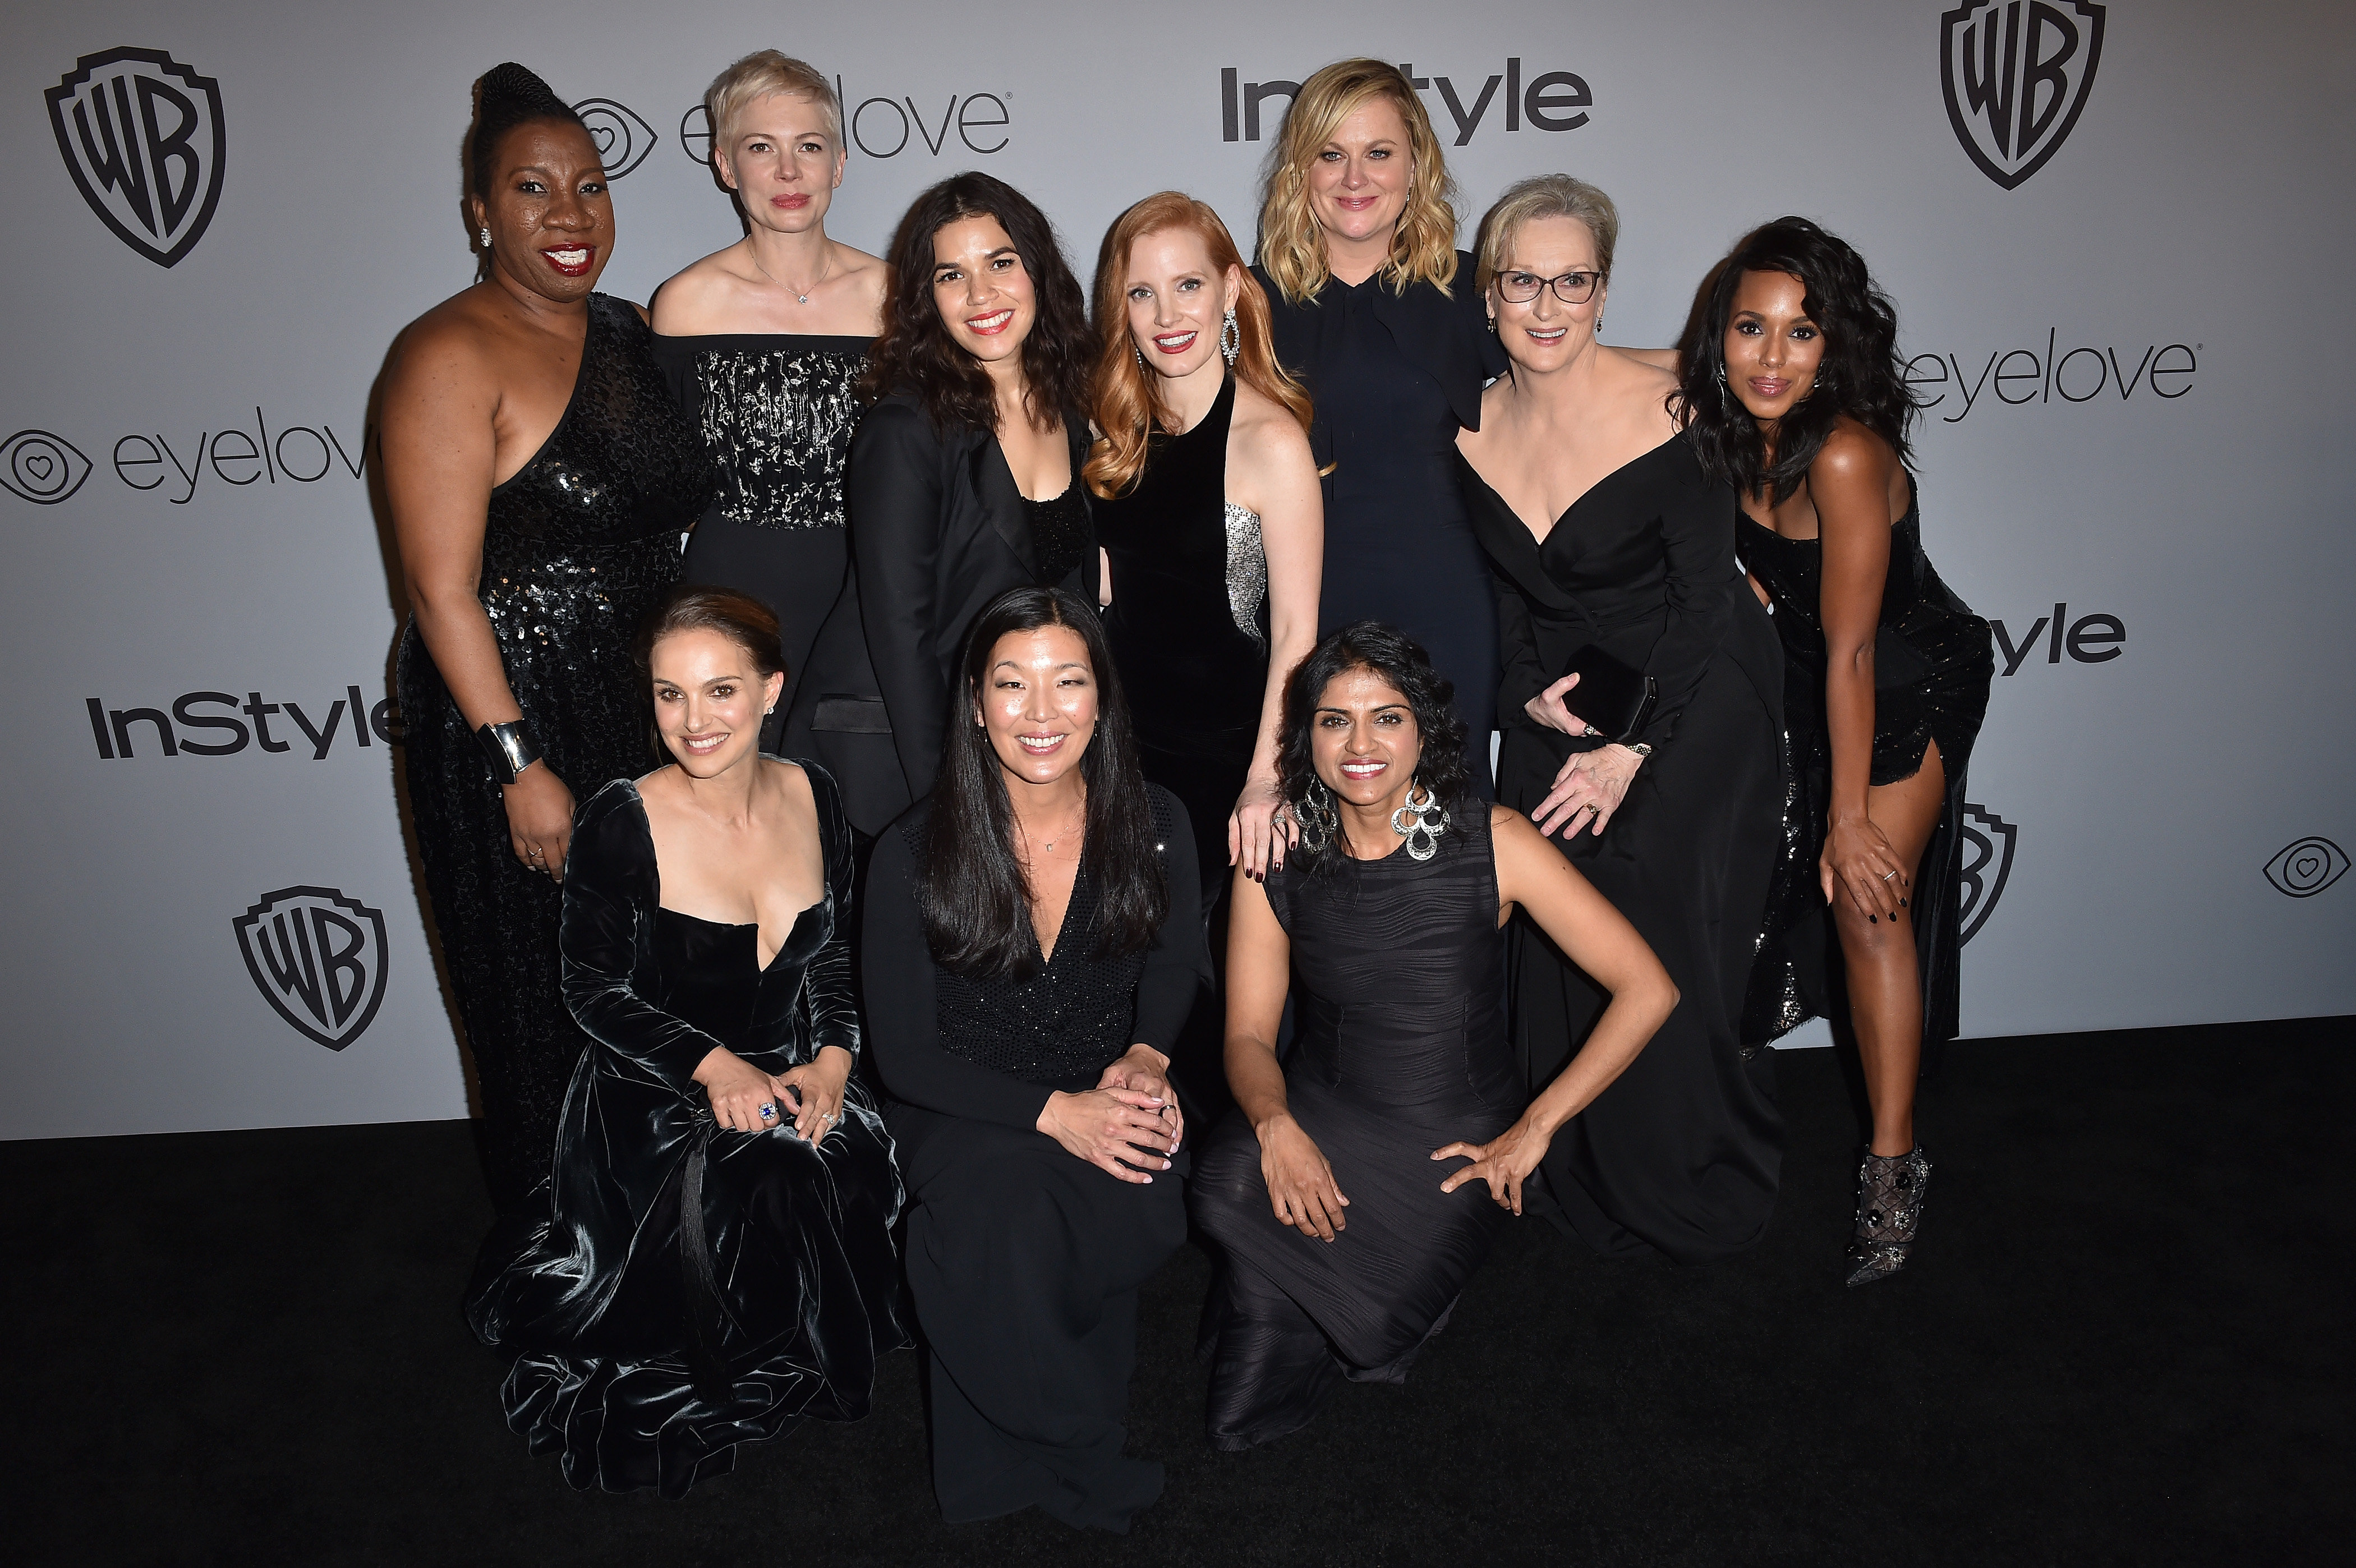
(1401, 1049)
(1932, 661)
(578, 544)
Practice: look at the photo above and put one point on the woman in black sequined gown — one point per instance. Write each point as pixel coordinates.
(539, 478)
(1798, 398)
(717, 1261)
(1032, 945)
(1345, 1227)
(762, 344)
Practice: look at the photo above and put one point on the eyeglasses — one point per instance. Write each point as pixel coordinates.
(1571, 288)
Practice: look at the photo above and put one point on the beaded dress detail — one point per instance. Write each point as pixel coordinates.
(777, 423)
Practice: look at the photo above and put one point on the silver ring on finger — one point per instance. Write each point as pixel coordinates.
(1887, 875)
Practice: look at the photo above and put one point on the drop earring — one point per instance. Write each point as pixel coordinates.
(1421, 823)
(486, 233)
(1231, 337)
(1139, 353)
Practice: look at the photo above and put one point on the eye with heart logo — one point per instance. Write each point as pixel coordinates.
(623, 138)
(43, 468)
(2306, 868)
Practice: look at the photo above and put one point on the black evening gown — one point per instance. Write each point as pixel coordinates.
(776, 411)
(1394, 374)
(1025, 1261)
(1932, 661)
(1682, 1153)
(578, 544)
(691, 1288)
(1188, 626)
(1401, 1048)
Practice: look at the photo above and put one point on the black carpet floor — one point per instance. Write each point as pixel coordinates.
(2126, 1339)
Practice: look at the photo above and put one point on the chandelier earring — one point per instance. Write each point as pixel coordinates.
(1231, 337)
(1319, 821)
(1421, 823)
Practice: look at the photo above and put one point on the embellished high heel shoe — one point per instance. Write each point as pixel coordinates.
(1889, 1206)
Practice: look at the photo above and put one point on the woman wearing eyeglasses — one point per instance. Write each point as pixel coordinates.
(1641, 701)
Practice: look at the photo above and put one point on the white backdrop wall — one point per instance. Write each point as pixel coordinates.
(2133, 462)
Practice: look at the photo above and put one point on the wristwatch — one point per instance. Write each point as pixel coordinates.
(1638, 746)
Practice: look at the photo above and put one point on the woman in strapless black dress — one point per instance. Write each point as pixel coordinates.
(1607, 537)
(1375, 313)
(716, 1260)
(1798, 398)
(764, 343)
(1344, 1228)
(539, 478)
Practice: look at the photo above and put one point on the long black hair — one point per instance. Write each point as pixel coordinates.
(1401, 663)
(508, 96)
(976, 904)
(1861, 375)
(916, 348)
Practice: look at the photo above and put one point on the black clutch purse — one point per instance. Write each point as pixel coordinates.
(1610, 697)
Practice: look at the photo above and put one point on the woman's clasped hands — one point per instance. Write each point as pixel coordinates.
(807, 1098)
(1128, 1125)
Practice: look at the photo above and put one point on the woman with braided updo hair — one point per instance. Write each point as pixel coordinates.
(539, 478)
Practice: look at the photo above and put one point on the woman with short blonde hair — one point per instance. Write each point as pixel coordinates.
(1357, 252)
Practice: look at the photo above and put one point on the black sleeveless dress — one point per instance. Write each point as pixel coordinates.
(1933, 661)
(690, 1288)
(1401, 1048)
(578, 544)
(776, 411)
(1188, 626)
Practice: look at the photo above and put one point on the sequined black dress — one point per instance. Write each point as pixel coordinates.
(1188, 625)
(776, 411)
(690, 1288)
(1402, 1049)
(578, 544)
(1933, 661)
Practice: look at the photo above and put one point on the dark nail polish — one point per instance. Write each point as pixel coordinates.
(1873, 920)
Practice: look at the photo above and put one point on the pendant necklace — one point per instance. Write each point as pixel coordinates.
(802, 297)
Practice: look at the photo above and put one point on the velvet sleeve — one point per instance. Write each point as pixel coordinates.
(893, 499)
(1178, 963)
(609, 889)
(1697, 537)
(903, 1026)
(828, 992)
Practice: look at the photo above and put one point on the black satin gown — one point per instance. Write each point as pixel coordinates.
(1188, 626)
(1401, 1048)
(1394, 374)
(1682, 1153)
(691, 1288)
(1933, 663)
(578, 544)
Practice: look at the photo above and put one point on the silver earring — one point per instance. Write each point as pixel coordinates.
(486, 233)
(1139, 353)
(1231, 338)
(1425, 821)
(1319, 821)
(1598, 321)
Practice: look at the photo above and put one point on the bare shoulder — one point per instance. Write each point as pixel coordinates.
(1644, 386)
(696, 300)
(1851, 453)
(1265, 429)
(451, 344)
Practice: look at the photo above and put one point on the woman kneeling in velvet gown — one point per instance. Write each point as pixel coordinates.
(717, 1260)
(1346, 1245)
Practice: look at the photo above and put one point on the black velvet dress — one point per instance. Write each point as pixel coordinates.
(1394, 374)
(690, 1288)
(1401, 1049)
(1025, 1261)
(1933, 661)
(578, 544)
(776, 411)
(1188, 626)
(1682, 1153)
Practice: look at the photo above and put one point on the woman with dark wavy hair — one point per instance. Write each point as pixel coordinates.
(964, 482)
(1343, 1246)
(1796, 397)
(1034, 943)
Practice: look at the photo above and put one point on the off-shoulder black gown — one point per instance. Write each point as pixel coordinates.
(578, 544)
(690, 1288)
(1682, 1153)
(1401, 1049)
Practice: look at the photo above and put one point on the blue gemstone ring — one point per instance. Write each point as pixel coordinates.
(768, 1112)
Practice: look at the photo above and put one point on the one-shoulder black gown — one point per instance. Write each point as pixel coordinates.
(690, 1288)
(578, 544)
(1401, 1049)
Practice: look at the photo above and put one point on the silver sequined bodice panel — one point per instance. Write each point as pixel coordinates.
(1247, 571)
(777, 423)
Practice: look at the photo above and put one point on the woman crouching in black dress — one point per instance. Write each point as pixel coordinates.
(1034, 943)
(1344, 1246)
(716, 1261)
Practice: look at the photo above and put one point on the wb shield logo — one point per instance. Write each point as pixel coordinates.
(1988, 862)
(318, 958)
(2016, 73)
(142, 135)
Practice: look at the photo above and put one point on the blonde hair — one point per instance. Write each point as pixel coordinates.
(1546, 196)
(1291, 248)
(1128, 403)
(756, 76)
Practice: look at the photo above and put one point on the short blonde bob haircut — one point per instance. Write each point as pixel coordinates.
(756, 76)
(1291, 248)
(1546, 196)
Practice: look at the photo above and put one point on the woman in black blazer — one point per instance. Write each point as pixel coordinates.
(964, 482)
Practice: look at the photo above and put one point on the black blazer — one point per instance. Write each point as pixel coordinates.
(937, 531)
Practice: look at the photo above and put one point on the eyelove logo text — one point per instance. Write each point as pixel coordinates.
(2018, 376)
(142, 135)
(45, 469)
(317, 957)
(881, 126)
